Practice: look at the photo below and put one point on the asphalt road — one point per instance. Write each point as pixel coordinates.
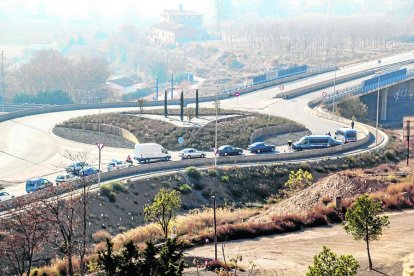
(292, 253)
(33, 150)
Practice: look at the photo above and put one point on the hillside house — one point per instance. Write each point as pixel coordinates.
(179, 26)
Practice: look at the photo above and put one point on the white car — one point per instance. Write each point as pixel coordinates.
(5, 196)
(191, 153)
(116, 165)
(65, 178)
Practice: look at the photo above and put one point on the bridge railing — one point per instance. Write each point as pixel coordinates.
(360, 89)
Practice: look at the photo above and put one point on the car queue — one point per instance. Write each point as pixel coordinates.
(148, 152)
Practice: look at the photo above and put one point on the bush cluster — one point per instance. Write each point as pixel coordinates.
(193, 173)
(185, 189)
(110, 190)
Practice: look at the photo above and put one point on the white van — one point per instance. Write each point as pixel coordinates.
(144, 153)
(346, 135)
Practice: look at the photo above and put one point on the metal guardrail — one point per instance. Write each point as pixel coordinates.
(357, 91)
(343, 79)
(11, 107)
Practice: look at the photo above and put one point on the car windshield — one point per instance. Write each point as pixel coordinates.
(60, 177)
(303, 141)
(3, 194)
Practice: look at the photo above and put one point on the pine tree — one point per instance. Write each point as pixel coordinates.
(363, 221)
(182, 106)
(128, 260)
(196, 107)
(171, 259)
(107, 259)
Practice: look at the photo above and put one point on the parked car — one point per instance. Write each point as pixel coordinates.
(5, 196)
(346, 135)
(76, 167)
(191, 153)
(229, 150)
(88, 171)
(116, 165)
(65, 178)
(150, 151)
(259, 147)
(315, 142)
(35, 184)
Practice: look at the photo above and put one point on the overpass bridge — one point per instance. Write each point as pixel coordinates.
(396, 95)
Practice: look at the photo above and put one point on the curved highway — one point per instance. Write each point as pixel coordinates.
(28, 147)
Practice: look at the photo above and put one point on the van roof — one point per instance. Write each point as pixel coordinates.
(35, 179)
(318, 136)
(147, 144)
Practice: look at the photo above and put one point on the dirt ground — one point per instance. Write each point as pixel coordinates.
(291, 254)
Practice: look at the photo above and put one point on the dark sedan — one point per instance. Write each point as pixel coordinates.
(259, 147)
(229, 150)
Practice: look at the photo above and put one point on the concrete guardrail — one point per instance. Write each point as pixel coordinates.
(108, 129)
(273, 130)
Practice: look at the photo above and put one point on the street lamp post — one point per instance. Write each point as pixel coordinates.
(215, 226)
(215, 143)
(100, 145)
(378, 95)
(334, 92)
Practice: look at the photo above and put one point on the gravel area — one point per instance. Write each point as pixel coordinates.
(281, 140)
(345, 184)
(90, 137)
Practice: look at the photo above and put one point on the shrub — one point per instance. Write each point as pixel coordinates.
(198, 186)
(305, 166)
(185, 189)
(206, 194)
(118, 187)
(299, 180)
(320, 169)
(225, 179)
(106, 189)
(193, 173)
(316, 218)
(112, 197)
(214, 265)
(212, 172)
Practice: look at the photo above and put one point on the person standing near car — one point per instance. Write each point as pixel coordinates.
(290, 142)
(352, 124)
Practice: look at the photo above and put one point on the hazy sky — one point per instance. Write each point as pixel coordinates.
(118, 9)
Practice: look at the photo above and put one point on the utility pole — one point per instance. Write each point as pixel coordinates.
(99, 144)
(215, 226)
(218, 19)
(172, 87)
(334, 92)
(215, 144)
(378, 95)
(408, 141)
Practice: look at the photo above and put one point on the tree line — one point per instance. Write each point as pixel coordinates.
(82, 78)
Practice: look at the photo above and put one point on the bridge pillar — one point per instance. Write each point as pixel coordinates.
(384, 101)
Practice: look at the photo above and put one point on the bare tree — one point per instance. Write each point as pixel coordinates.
(66, 215)
(23, 232)
(85, 182)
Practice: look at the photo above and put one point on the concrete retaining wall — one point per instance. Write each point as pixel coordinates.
(108, 129)
(272, 131)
